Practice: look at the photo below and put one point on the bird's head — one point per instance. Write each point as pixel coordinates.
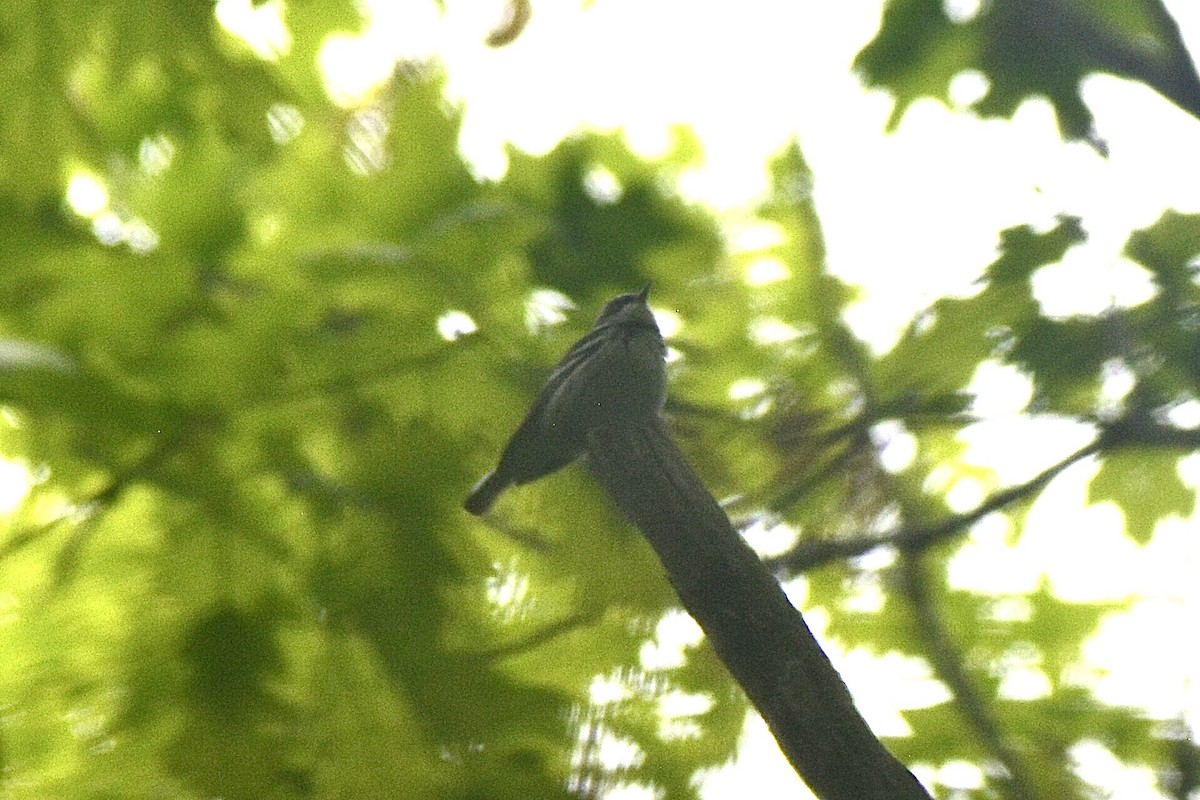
(628, 310)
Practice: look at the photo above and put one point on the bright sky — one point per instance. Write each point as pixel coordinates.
(910, 216)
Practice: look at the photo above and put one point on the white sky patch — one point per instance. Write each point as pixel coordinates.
(1158, 679)
(86, 194)
(987, 563)
(142, 239)
(507, 590)
(773, 331)
(965, 494)
(866, 596)
(960, 775)
(1189, 470)
(961, 11)
(669, 323)
(454, 325)
(355, 66)
(1060, 526)
(746, 388)
(675, 633)
(15, 483)
(616, 753)
(545, 308)
(999, 390)
(1117, 382)
(155, 154)
(1019, 447)
(939, 478)
(1077, 285)
(754, 236)
(108, 228)
(770, 537)
(897, 446)
(607, 689)
(758, 763)
(284, 122)
(259, 25)
(416, 31)
(602, 186)
(1110, 777)
(1011, 609)
(968, 87)
(874, 678)
(1161, 678)
(766, 270)
(1021, 675)
(677, 712)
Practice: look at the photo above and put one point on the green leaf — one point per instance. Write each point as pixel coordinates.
(1145, 485)
(1023, 50)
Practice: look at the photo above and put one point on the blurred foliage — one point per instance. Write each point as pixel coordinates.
(242, 569)
(1025, 49)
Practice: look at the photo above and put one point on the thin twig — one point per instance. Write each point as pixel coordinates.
(947, 660)
(810, 554)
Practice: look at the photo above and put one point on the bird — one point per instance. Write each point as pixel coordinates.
(614, 375)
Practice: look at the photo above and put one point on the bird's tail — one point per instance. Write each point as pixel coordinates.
(485, 493)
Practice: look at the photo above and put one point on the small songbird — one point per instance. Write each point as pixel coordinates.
(614, 375)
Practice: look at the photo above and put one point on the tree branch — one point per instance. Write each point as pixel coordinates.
(759, 636)
(99, 500)
(815, 553)
(947, 662)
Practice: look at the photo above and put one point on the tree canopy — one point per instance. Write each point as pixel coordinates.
(250, 384)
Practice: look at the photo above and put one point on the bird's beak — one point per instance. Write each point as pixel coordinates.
(644, 293)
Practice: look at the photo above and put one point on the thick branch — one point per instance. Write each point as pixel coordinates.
(761, 638)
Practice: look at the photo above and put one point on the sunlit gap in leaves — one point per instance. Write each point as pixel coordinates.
(751, 397)
(967, 88)
(1118, 381)
(155, 154)
(864, 582)
(366, 149)
(353, 66)
(545, 308)
(1076, 286)
(961, 12)
(766, 270)
(883, 684)
(284, 122)
(16, 481)
(19, 478)
(669, 325)
(455, 324)
(601, 754)
(602, 186)
(508, 591)
(1109, 776)
(1020, 673)
(87, 196)
(895, 445)
(260, 25)
(771, 331)
(770, 537)
(753, 242)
